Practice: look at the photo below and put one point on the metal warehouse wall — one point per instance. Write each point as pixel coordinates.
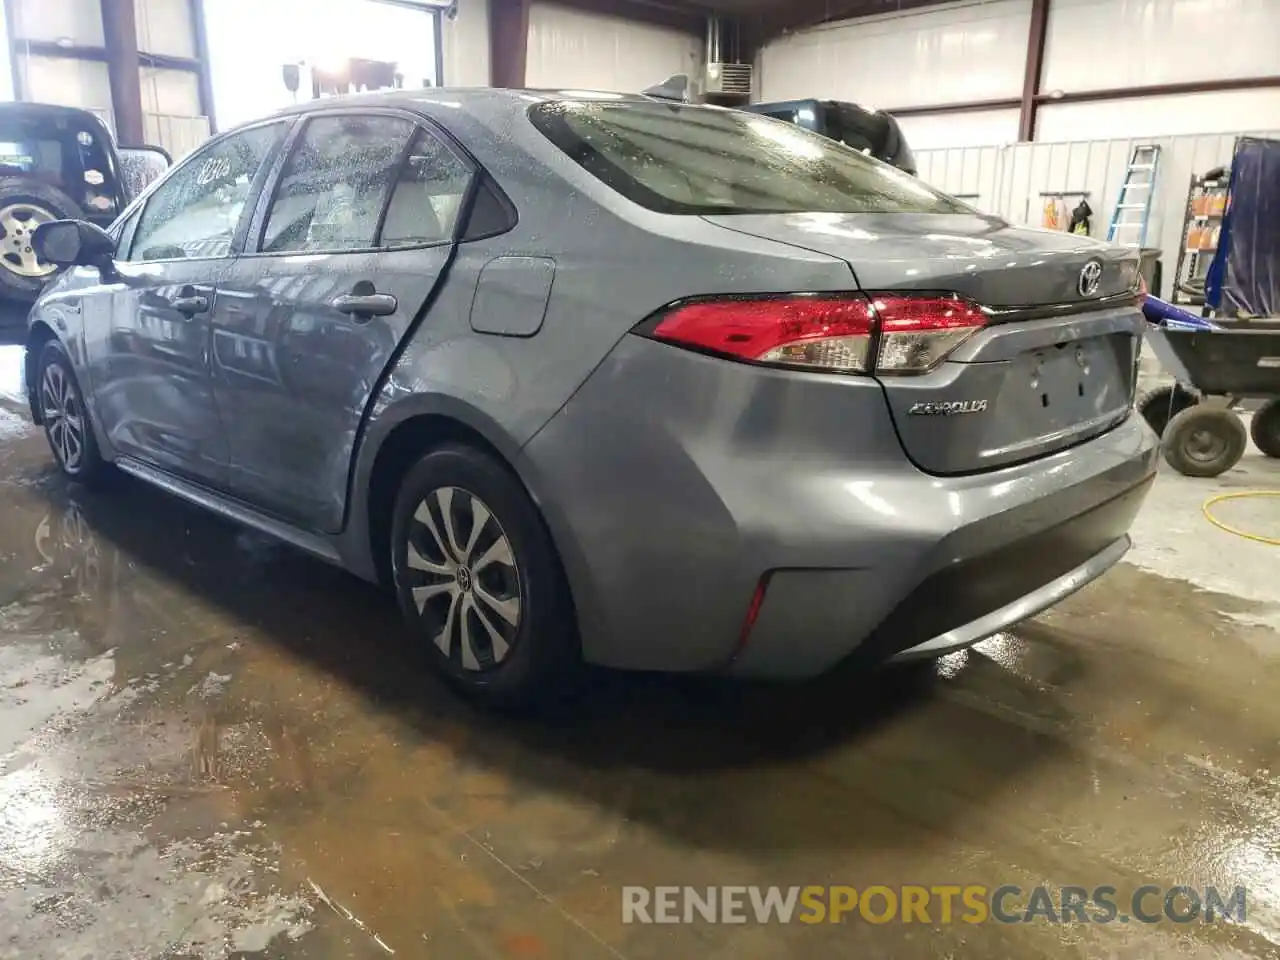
(172, 116)
(578, 50)
(949, 54)
(1009, 180)
(975, 50)
(465, 39)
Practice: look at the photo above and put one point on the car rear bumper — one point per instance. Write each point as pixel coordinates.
(988, 573)
(1036, 600)
(675, 485)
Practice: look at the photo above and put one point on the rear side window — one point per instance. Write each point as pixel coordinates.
(359, 182)
(704, 160)
(335, 184)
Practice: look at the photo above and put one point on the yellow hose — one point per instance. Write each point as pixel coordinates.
(1245, 495)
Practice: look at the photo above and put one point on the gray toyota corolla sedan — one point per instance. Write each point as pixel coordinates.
(611, 379)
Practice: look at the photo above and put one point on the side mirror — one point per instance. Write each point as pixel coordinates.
(142, 166)
(72, 243)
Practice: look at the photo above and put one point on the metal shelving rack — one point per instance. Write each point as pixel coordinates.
(1201, 227)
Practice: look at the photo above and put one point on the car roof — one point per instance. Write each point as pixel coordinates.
(459, 97)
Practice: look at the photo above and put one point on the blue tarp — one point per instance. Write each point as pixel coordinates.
(1244, 277)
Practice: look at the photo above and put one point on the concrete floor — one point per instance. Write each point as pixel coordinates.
(213, 747)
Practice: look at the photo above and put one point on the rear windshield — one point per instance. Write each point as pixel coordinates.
(702, 160)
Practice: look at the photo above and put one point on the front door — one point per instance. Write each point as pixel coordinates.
(153, 394)
(337, 269)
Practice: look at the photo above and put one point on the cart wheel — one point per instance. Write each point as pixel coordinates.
(1266, 428)
(1161, 405)
(1204, 441)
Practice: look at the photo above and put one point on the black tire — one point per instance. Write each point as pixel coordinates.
(70, 437)
(1265, 429)
(56, 204)
(1204, 441)
(1162, 404)
(540, 660)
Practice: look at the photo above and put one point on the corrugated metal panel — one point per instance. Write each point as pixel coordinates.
(936, 130)
(169, 92)
(573, 49)
(63, 80)
(1105, 44)
(79, 21)
(1188, 113)
(164, 26)
(178, 135)
(949, 54)
(1009, 180)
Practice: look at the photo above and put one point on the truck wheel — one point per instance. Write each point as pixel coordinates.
(1266, 428)
(1204, 441)
(1161, 405)
(24, 205)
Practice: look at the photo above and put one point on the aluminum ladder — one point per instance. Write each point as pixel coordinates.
(1133, 208)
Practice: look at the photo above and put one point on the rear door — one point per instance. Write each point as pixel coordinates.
(342, 259)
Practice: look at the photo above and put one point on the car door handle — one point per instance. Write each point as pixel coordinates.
(364, 306)
(190, 305)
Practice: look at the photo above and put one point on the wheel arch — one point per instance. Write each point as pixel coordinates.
(397, 438)
(38, 335)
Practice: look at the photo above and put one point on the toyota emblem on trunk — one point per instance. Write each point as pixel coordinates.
(1090, 278)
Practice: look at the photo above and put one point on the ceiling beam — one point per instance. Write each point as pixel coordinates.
(779, 18)
(677, 16)
(1034, 68)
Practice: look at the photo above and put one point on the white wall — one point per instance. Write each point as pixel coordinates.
(164, 26)
(77, 21)
(930, 130)
(573, 49)
(465, 43)
(1104, 44)
(946, 54)
(1009, 180)
(975, 50)
(1224, 112)
(6, 56)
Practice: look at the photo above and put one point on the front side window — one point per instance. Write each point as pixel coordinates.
(195, 212)
(335, 184)
(704, 160)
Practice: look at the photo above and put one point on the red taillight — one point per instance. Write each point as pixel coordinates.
(917, 333)
(827, 333)
(753, 612)
(830, 333)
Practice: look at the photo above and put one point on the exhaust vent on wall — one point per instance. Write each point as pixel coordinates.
(726, 80)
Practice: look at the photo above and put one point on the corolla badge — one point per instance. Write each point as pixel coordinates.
(1090, 278)
(946, 408)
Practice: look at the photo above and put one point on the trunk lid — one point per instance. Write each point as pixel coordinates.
(1056, 363)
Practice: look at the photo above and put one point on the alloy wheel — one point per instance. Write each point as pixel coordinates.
(464, 579)
(18, 223)
(62, 415)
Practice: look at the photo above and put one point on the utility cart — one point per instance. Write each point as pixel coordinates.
(1216, 368)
